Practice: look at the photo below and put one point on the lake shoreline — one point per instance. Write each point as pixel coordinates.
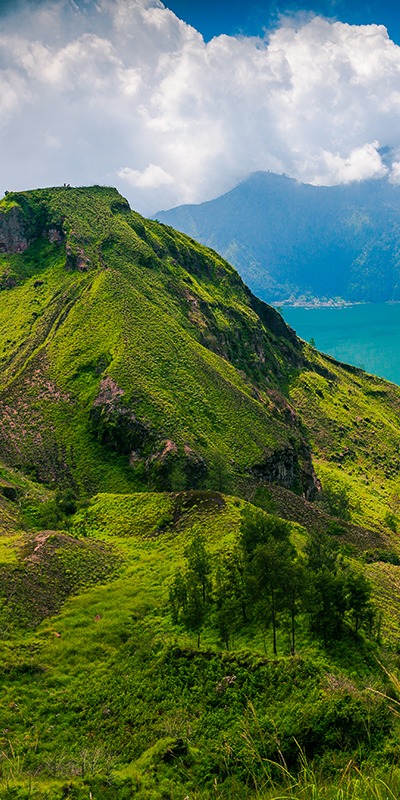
(367, 336)
(330, 304)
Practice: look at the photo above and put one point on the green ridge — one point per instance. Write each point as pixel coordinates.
(167, 321)
(145, 397)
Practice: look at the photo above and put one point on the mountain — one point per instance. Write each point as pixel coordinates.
(157, 419)
(297, 242)
(134, 358)
(131, 357)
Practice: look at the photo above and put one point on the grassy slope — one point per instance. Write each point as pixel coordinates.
(111, 693)
(353, 424)
(151, 310)
(202, 363)
(199, 360)
(16, 490)
(353, 419)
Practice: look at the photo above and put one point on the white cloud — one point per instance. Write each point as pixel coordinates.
(362, 163)
(152, 177)
(89, 86)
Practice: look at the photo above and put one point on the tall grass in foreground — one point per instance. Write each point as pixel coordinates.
(266, 779)
(352, 785)
(272, 780)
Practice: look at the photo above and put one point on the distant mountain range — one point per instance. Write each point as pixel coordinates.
(296, 242)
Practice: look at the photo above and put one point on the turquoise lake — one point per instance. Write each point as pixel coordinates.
(367, 336)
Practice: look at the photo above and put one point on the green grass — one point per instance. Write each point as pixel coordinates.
(132, 358)
(110, 693)
(353, 421)
(196, 359)
(169, 321)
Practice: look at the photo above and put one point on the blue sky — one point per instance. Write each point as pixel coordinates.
(250, 18)
(153, 99)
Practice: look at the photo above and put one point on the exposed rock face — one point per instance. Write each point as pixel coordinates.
(115, 425)
(76, 258)
(168, 466)
(19, 228)
(310, 483)
(13, 232)
(281, 467)
(290, 467)
(170, 469)
(55, 236)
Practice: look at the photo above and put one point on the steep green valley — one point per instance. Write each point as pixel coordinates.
(198, 526)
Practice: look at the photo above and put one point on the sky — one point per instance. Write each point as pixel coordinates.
(178, 102)
(254, 17)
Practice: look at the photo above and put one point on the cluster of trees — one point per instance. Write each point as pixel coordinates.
(54, 513)
(264, 580)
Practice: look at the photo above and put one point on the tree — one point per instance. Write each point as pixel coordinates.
(325, 600)
(268, 555)
(228, 596)
(326, 603)
(178, 596)
(257, 527)
(296, 583)
(269, 569)
(66, 501)
(219, 474)
(199, 562)
(190, 592)
(337, 501)
(322, 553)
(195, 611)
(335, 593)
(358, 600)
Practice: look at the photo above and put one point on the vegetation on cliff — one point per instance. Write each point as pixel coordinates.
(171, 456)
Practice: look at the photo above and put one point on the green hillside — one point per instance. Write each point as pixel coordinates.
(156, 419)
(132, 356)
(110, 696)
